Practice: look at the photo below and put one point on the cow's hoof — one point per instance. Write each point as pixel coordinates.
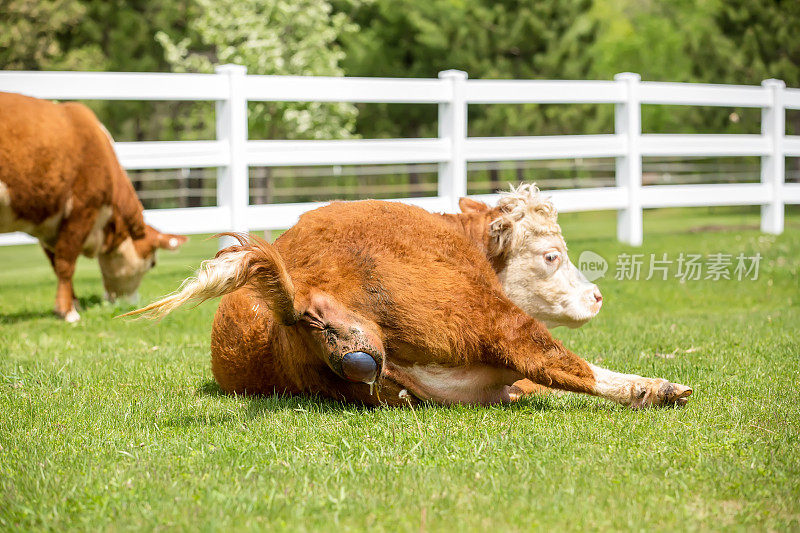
(359, 367)
(70, 316)
(661, 393)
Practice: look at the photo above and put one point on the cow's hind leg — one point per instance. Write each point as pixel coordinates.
(350, 344)
(65, 293)
(526, 387)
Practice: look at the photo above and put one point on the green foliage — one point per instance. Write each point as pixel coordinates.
(29, 31)
(665, 41)
(120, 36)
(716, 41)
(764, 36)
(662, 41)
(284, 37)
(488, 39)
(117, 425)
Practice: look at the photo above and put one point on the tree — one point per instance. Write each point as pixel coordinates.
(486, 38)
(764, 35)
(29, 31)
(270, 37)
(121, 34)
(666, 41)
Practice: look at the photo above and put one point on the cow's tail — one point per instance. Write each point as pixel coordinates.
(253, 263)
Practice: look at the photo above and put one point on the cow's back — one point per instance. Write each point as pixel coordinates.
(398, 265)
(405, 269)
(53, 157)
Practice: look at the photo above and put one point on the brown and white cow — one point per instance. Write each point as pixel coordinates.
(61, 182)
(379, 302)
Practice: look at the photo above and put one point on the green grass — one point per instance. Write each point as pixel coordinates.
(117, 425)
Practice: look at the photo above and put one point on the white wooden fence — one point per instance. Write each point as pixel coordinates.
(233, 153)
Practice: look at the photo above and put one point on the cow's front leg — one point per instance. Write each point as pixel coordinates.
(558, 368)
(71, 237)
(65, 292)
(530, 349)
(526, 387)
(637, 391)
(627, 389)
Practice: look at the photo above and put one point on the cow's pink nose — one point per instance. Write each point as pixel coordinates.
(597, 296)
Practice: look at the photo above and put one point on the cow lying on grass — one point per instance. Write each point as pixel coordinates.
(380, 302)
(60, 182)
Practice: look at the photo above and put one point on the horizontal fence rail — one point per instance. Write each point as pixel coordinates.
(232, 154)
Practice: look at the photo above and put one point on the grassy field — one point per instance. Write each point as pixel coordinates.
(117, 425)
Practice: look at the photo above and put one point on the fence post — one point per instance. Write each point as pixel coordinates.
(628, 124)
(233, 180)
(773, 166)
(453, 129)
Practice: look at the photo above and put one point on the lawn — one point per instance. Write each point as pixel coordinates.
(115, 425)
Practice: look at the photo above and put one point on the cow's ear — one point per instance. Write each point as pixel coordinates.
(468, 205)
(168, 241)
(501, 235)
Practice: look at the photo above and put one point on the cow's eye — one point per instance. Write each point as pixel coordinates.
(551, 257)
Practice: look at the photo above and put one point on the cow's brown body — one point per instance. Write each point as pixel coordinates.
(61, 182)
(409, 288)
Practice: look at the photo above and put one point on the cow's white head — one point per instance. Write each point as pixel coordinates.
(530, 256)
(124, 266)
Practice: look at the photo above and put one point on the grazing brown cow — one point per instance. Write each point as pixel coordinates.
(376, 302)
(60, 181)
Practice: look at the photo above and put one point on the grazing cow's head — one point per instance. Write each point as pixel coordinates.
(124, 266)
(530, 254)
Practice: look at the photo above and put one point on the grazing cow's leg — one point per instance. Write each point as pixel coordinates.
(51, 256)
(68, 247)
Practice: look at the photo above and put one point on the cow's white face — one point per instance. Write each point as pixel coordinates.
(123, 270)
(536, 272)
(124, 267)
(540, 278)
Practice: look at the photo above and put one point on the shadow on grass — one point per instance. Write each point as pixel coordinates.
(258, 406)
(264, 405)
(25, 316)
(84, 303)
(211, 388)
(87, 302)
